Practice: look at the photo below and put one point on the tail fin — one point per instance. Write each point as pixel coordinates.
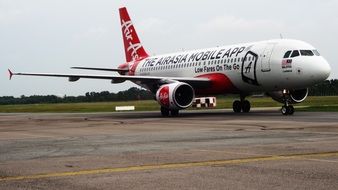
(132, 45)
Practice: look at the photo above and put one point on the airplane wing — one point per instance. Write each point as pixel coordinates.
(101, 69)
(195, 82)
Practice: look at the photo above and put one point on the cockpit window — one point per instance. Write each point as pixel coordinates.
(306, 53)
(287, 54)
(316, 52)
(295, 53)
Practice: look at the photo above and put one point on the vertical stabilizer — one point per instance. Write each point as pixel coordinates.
(132, 45)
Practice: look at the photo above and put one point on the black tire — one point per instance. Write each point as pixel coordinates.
(237, 106)
(291, 110)
(164, 112)
(246, 106)
(174, 113)
(284, 110)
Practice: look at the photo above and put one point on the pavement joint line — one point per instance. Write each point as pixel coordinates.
(229, 152)
(168, 166)
(322, 160)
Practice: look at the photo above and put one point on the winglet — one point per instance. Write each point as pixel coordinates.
(10, 74)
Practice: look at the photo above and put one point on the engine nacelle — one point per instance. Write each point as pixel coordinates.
(175, 96)
(293, 96)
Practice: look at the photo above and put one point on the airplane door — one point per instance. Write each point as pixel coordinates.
(266, 57)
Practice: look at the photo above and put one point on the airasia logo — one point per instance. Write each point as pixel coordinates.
(164, 96)
(128, 34)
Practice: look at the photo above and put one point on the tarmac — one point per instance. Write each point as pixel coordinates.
(208, 149)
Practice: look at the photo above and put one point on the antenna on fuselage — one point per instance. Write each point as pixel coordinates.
(281, 36)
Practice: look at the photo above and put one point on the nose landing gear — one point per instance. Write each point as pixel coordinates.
(287, 109)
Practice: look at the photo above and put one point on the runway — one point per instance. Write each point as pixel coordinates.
(210, 149)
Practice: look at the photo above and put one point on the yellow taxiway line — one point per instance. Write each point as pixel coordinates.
(170, 166)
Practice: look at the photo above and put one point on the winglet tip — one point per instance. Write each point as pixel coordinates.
(10, 74)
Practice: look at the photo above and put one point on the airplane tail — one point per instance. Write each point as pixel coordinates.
(132, 45)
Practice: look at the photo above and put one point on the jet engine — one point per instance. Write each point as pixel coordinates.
(292, 96)
(175, 96)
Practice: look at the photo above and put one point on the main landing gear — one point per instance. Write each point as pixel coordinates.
(241, 105)
(165, 112)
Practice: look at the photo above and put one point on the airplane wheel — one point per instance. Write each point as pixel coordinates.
(174, 113)
(246, 106)
(291, 110)
(237, 106)
(288, 110)
(284, 110)
(164, 112)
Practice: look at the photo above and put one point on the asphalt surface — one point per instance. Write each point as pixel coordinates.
(211, 149)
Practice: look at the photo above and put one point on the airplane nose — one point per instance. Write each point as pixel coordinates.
(317, 71)
(324, 70)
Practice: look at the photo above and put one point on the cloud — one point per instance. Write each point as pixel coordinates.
(10, 15)
(11, 11)
(152, 25)
(232, 23)
(95, 33)
(149, 23)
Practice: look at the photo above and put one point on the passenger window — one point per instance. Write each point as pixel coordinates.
(295, 53)
(306, 53)
(287, 54)
(316, 52)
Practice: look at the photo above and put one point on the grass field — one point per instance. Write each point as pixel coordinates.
(323, 103)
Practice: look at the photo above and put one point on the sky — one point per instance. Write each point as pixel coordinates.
(52, 36)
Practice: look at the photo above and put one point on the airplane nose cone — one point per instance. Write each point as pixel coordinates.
(324, 70)
(320, 70)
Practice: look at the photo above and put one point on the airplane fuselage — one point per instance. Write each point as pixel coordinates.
(247, 68)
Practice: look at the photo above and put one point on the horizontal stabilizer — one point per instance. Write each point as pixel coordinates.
(101, 69)
(10, 74)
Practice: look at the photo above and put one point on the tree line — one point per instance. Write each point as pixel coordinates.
(104, 96)
(326, 88)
